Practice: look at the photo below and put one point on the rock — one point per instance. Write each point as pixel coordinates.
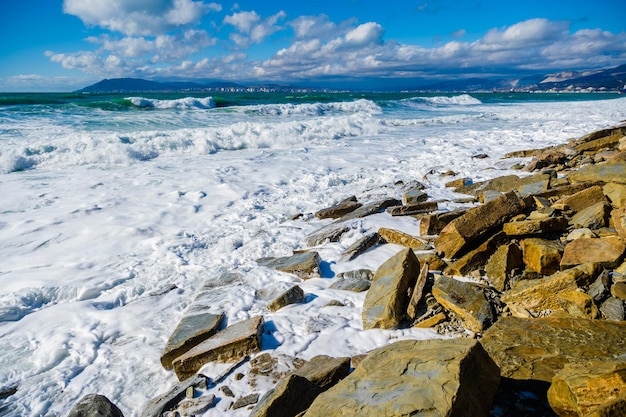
(386, 300)
(431, 321)
(339, 210)
(170, 399)
(539, 295)
(304, 264)
(613, 171)
(432, 224)
(608, 141)
(412, 209)
(592, 217)
(613, 309)
(503, 184)
(452, 377)
(566, 189)
(413, 197)
(459, 182)
(371, 208)
(501, 264)
(616, 193)
(94, 405)
(601, 287)
(351, 284)
(580, 233)
(478, 257)
(618, 290)
(466, 300)
(403, 239)
(291, 396)
(292, 296)
(190, 407)
(616, 408)
(271, 368)
(578, 304)
(329, 233)
(539, 348)
(230, 344)
(535, 227)
(580, 388)
(477, 222)
(325, 371)
(360, 246)
(245, 401)
(191, 330)
(608, 252)
(435, 263)
(541, 255)
(581, 199)
(417, 292)
(619, 221)
(363, 274)
(534, 188)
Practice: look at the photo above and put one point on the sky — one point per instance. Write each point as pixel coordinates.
(64, 45)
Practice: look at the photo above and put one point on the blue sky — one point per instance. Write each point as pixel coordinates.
(67, 44)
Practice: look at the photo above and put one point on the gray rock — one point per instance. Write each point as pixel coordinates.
(453, 377)
(291, 396)
(94, 405)
(170, 399)
(303, 264)
(364, 274)
(466, 300)
(325, 371)
(292, 296)
(351, 284)
(245, 401)
(340, 209)
(369, 209)
(361, 245)
(414, 196)
(592, 217)
(613, 309)
(601, 287)
(329, 233)
(412, 209)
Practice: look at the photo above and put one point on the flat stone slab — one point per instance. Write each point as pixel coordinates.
(292, 296)
(607, 251)
(398, 237)
(325, 371)
(465, 299)
(304, 264)
(539, 348)
(231, 344)
(339, 210)
(452, 377)
(412, 209)
(607, 172)
(535, 227)
(191, 330)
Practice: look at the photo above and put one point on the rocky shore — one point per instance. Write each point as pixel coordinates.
(526, 285)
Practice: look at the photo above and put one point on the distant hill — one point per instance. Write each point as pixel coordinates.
(128, 85)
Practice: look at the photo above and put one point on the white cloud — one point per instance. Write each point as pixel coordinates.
(252, 28)
(365, 34)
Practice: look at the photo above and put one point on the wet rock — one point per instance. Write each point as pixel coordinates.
(351, 284)
(94, 405)
(539, 295)
(176, 394)
(466, 300)
(340, 209)
(293, 295)
(291, 396)
(501, 265)
(580, 388)
(412, 209)
(538, 348)
(581, 199)
(608, 252)
(397, 237)
(191, 330)
(613, 309)
(477, 257)
(541, 255)
(361, 245)
(615, 171)
(592, 217)
(386, 300)
(413, 197)
(325, 371)
(232, 343)
(304, 264)
(406, 378)
(535, 227)
(272, 368)
(478, 222)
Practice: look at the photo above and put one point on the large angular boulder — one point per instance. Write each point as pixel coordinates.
(432, 224)
(539, 348)
(325, 371)
(94, 405)
(398, 237)
(607, 171)
(467, 300)
(412, 209)
(340, 209)
(303, 264)
(616, 193)
(452, 377)
(501, 264)
(289, 397)
(192, 330)
(477, 257)
(231, 344)
(535, 226)
(580, 388)
(386, 300)
(292, 296)
(581, 199)
(539, 295)
(618, 216)
(592, 217)
(503, 184)
(606, 251)
(541, 255)
(477, 222)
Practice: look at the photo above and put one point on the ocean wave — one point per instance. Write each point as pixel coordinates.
(186, 103)
(425, 103)
(314, 109)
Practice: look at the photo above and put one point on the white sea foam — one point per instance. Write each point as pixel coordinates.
(106, 235)
(314, 109)
(180, 103)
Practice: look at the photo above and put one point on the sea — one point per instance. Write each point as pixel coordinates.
(115, 209)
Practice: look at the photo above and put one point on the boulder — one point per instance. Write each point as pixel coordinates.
(360, 246)
(467, 300)
(616, 193)
(613, 309)
(613, 171)
(503, 184)
(609, 141)
(328, 233)
(618, 217)
(592, 217)
(232, 343)
(412, 209)
(386, 300)
(403, 239)
(351, 284)
(94, 405)
(541, 255)
(432, 224)
(292, 296)
(535, 227)
(417, 292)
(191, 330)
(580, 388)
(340, 209)
(459, 182)
(291, 396)
(452, 377)
(303, 264)
(539, 295)
(581, 199)
(618, 290)
(370, 208)
(536, 349)
(601, 287)
(501, 264)
(414, 196)
(325, 371)
(607, 251)
(616, 408)
(176, 394)
(578, 304)
(566, 189)
(478, 222)
(477, 257)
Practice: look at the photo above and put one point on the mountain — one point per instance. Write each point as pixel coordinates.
(127, 85)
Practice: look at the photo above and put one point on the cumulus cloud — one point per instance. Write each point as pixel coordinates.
(252, 28)
(139, 17)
